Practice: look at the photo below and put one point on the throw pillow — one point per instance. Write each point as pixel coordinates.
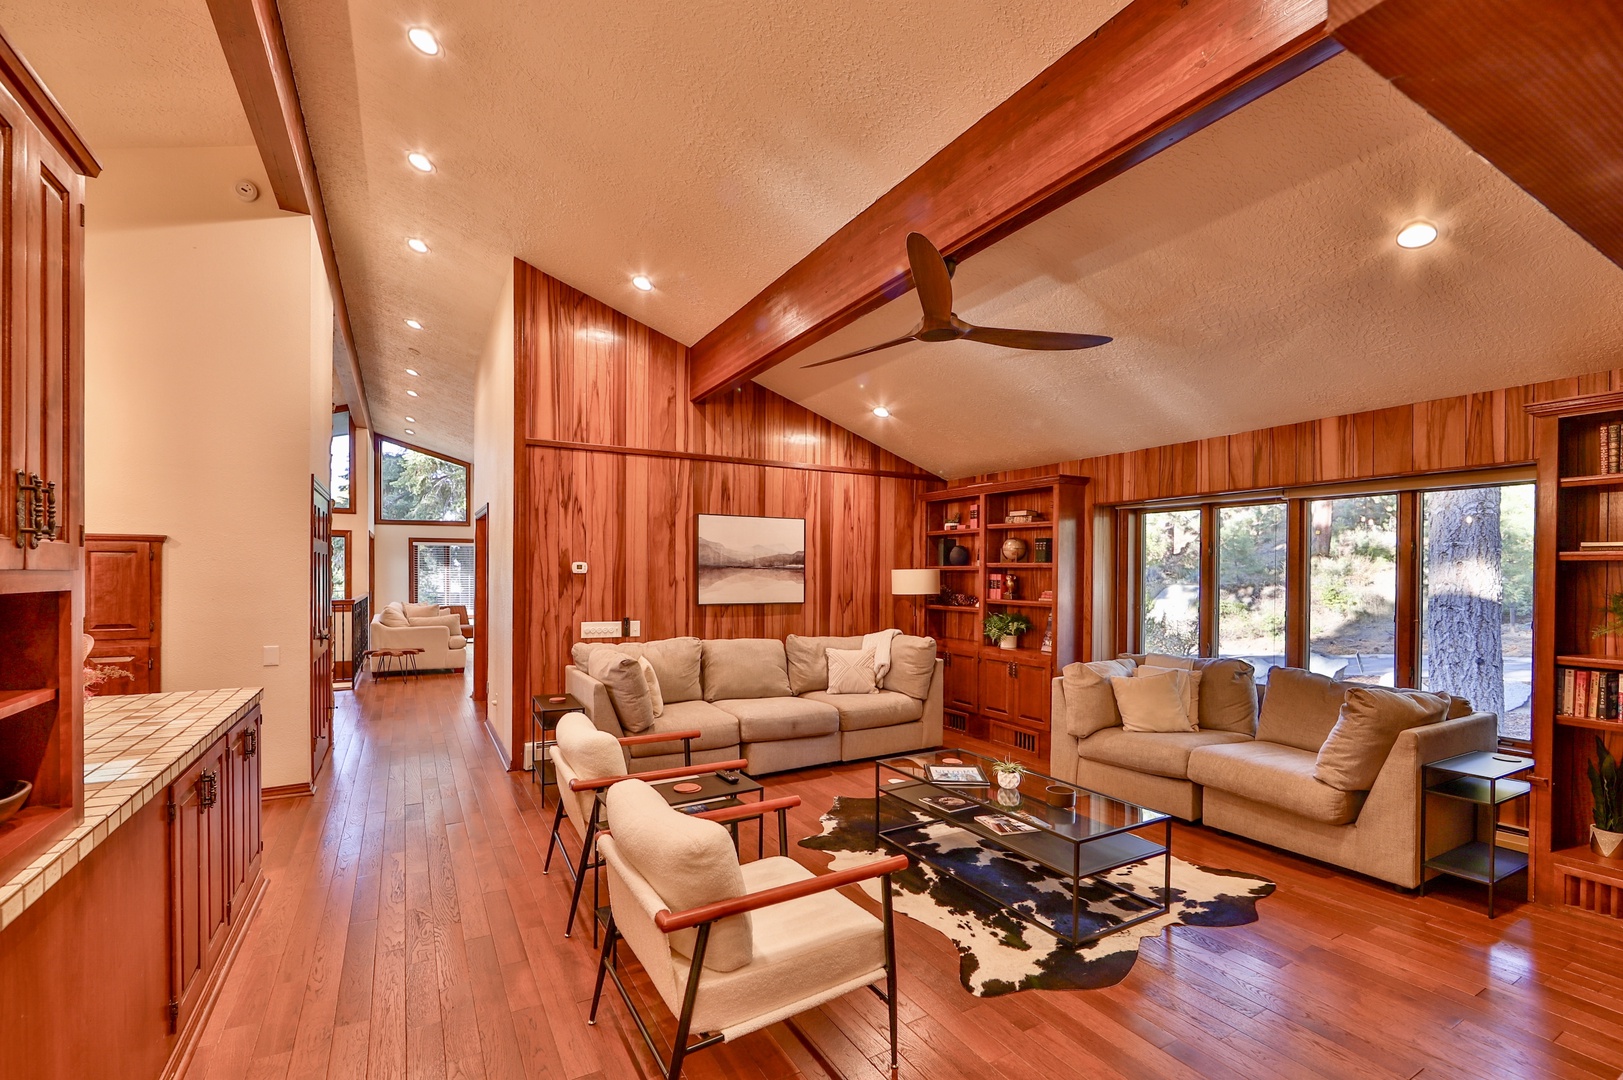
(1191, 695)
(1228, 696)
(1154, 702)
(1090, 703)
(1300, 708)
(688, 861)
(393, 617)
(1368, 727)
(422, 611)
(808, 660)
(912, 666)
(744, 668)
(655, 700)
(628, 690)
(851, 671)
(1156, 659)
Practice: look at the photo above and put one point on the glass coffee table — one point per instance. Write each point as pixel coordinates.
(1076, 834)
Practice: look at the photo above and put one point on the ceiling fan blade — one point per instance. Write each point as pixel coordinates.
(1040, 340)
(862, 352)
(930, 278)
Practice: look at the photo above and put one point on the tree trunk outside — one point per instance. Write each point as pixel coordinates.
(1464, 597)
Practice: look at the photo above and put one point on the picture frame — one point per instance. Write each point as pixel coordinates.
(966, 775)
(740, 559)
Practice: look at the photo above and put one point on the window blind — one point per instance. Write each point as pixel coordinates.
(441, 573)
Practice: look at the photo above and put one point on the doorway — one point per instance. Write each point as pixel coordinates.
(481, 602)
(321, 694)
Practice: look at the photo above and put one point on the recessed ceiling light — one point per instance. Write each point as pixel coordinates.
(410, 432)
(420, 162)
(1416, 234)
(411, 393)
(414, 324)
(880, 411)
(424, 40)
(417, 245)
(641, 281)
(412, 372)
(411, 419)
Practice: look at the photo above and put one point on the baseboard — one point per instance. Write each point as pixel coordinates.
(496, 744)
(287, 791)
(186, 1046)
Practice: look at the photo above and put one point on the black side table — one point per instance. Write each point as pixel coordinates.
(543, 706)
(1482, 779)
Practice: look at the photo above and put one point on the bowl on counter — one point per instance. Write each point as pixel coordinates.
(13, 793)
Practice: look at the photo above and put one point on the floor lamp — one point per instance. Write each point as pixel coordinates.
(916, 583)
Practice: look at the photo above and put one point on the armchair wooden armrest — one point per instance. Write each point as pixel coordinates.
(659, 737)
(749, 810)
(675, 772)
(721, 909)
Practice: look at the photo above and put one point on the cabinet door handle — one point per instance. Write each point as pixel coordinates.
(1013, 673)
(250, 742)
(208, 789)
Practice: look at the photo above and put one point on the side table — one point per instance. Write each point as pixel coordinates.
(1482, 779)
(543, 706)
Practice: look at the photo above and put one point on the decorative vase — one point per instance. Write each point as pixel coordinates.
(1008, 780)
(958, 555)
(1012, 641)
(1603, 843)
(1014, 549)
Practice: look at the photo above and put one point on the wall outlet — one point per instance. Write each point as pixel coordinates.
(600, 629)
(273, 656)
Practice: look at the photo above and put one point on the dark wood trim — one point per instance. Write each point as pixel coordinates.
(1409, 579)
(1574, 406)
(1546, 541)
(250, 32)
(673, 773)
(1123, 559)
(353, 439)
(287, 791)
(765, 463)
(349, 539)
(745, 811)
(481, 603)
(138, 538)
(1298, 539)
(377, 484)
(33, 96)
(1207, 634)
(371, 563)
(411, 557)
(1156, 72)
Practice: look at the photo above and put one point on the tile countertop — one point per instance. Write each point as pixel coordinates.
(135, 746)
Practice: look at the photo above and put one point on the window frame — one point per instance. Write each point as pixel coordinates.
(1298, 525)
(351, 508)
(411, 561)
(377, 485)
(349, 563)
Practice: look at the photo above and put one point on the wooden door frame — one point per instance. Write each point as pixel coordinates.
(320, 572)
(481, 603)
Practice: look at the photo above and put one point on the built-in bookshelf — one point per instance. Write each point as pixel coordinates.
(1016, 548)
(1578, 664)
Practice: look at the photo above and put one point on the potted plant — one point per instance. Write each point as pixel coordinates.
(1606, 834)
(1005, 628)
(1008, 773)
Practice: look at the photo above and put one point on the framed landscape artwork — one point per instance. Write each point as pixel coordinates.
(751, 560)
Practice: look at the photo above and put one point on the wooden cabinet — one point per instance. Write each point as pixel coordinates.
(997, 688)
(124, 609)
(242, 788)
(961, 689)
(1032, 692)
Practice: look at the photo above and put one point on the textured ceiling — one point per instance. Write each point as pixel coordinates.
(132, 74)
(709, 145)
(1250, 278)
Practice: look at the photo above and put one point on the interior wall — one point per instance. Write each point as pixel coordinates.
(493, 487)
(208, 363)
(594, 382)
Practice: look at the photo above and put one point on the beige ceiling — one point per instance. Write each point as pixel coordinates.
(1249, 278)
(707, 145)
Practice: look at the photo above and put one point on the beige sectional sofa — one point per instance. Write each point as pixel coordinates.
(765, 700)
(1260, 783)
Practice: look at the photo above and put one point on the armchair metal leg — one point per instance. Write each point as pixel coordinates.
(552, 841)
(580, 874)
(602, 970)
(679, 1044)
(890, 968)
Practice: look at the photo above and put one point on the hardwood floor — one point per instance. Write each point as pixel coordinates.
(407, 931)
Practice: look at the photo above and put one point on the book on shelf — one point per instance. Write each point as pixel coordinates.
(1600, 545)
(1611, 448)
(1587, 693)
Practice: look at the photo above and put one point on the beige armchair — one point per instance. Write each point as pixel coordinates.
(732, 947)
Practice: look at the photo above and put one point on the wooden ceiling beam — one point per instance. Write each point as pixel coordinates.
(256, 49)
(1157, 72)
(1535, 87)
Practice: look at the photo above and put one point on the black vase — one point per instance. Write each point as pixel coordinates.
(958, 555)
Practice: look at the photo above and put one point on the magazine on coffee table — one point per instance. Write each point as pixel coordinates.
(947, 804)
(968, 775)
(1003, 825)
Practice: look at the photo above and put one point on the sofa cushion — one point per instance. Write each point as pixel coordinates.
(776, 718)
(1300, 708)
(859, 712)
(628, 690)
(808, 660)
(851, 671)
(591, 753)
(1371, 718)
(1090, 703)
(1163, 753)
(1154, 702)
(656, 699)
(1275, 775)
(912, 666)
(688, 861)
(423, 611)
(718, 729)
(1157, 659)
(744, 668)
(1228, 695)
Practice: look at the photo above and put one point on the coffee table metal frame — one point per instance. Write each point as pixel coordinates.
(1068, 843)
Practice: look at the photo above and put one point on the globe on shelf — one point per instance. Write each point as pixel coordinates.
(1014, 549)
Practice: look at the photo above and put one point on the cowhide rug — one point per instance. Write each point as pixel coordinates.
(999, 953)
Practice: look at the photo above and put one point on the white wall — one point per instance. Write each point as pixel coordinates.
(208, 364)
(493, 484)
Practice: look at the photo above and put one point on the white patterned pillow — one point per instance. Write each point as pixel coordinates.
(851, 671)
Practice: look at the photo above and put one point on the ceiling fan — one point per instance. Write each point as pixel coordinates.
(932, 276)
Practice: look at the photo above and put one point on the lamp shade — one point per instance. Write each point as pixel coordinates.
(915, 582)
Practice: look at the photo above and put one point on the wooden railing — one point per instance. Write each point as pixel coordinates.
(350, 619)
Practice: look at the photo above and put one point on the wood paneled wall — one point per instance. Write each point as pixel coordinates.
(614, 463)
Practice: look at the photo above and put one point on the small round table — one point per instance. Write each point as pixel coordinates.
(402, 661)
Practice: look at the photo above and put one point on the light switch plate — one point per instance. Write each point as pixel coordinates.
(636, 628)
(577, 568)
(273, 656)
(599, 629)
